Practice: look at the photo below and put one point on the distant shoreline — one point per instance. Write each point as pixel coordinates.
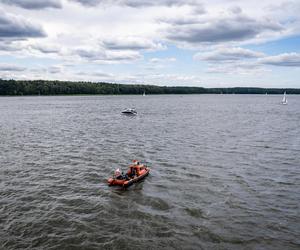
(62, 88)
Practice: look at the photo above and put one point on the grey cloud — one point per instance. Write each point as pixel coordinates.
(137, 3)
(90, 54)
(55, 69)
(177, 21)
(196, 12)
(88, 2)
(96, 73)
(34, 4)
(8, 67)
(39, 70)
(46, 49)
(123, 57)
(15, 28)
(145, 3)
(236, 68)
(225, 29)
(236, 10)
(106, 56)
(4, 46)
(285, 60)
(124, 46)
(102, 74)
(130, 44)
(198, 9)
(228, 54)
(95, 76)
(286, 7)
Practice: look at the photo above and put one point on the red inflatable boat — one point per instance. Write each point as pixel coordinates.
(135, 173)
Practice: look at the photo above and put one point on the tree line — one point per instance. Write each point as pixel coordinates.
(43, 87)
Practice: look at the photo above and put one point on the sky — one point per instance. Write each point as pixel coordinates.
(207, 43)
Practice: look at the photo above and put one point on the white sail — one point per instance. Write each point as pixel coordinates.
(284, 100)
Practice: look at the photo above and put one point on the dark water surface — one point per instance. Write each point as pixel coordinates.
(225, 172)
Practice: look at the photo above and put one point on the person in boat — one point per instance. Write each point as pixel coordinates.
(132, 172)
(119, 175)
(132, 169)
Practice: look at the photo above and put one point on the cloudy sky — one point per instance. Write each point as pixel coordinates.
(210, 43)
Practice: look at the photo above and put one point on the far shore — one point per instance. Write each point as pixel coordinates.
(68, 88)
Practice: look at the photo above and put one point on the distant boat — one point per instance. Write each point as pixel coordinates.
(129, 111)
(284, 100)
(144, 94)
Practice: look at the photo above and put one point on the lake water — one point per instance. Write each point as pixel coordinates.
(225, 172)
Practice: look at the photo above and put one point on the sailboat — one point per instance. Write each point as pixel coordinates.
(144, 94)
(284, 100)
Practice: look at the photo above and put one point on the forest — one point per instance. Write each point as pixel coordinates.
(43, 87)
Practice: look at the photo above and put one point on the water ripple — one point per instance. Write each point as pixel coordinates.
(224, 173)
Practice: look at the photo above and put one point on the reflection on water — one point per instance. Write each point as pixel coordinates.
(224, 172)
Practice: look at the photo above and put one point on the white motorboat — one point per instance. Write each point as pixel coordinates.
(129, 111)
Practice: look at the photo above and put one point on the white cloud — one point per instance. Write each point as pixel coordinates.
(137, 3)
(221, 29)
(34, 4)
(45, 48)
(228, 54)
(131, 43)
(155, 38)
(284, 60)
(104, 56)
(156, 60)
(9, 46)
(237, 68)
(11, 68)
(55, 69)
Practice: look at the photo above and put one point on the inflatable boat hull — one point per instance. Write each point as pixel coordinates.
(127, 183)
